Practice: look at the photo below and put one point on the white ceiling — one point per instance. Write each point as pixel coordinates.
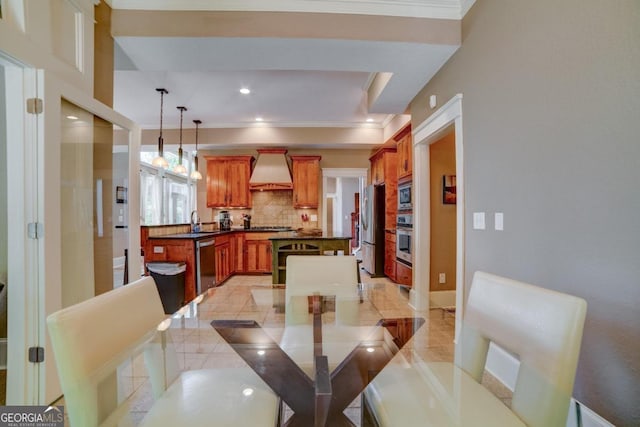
(293, 82)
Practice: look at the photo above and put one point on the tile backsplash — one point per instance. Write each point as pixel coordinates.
(273, 208)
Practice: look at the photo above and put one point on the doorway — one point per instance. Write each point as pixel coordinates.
(442, 260)
(19, 227)
(445, 121)
(339, 189)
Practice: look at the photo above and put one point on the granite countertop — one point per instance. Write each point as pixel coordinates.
(292, 235)
(208, 234)
(191, 236)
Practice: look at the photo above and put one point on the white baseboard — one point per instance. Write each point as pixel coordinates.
(504, 366)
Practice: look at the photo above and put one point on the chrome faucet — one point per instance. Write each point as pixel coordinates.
(195, 222)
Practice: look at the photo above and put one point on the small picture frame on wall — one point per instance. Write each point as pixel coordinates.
(121, 194)
(449, 189)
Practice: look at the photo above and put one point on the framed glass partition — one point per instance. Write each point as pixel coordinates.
(94, 207)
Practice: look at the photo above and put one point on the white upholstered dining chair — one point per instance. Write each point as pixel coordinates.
(542, 328)
(324, 276)
(93, 338)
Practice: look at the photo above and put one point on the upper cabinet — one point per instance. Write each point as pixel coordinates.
(228, 181)
(405, 152)
(383, 166)
(306, 177)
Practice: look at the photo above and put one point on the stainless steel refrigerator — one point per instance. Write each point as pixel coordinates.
(373, 230)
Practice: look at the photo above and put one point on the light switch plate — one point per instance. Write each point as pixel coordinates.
(478, 221)
(442, 278)
(498, 221)
(314, 217)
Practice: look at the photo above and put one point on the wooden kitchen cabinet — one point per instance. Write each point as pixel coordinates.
(405, 152)
(228, 181)
(306, 177)
(257, 252)
(384, 166)
(237, 252)
(390, 255)
(222, 258)
(404, 274)
(175, 250)
(384, 171)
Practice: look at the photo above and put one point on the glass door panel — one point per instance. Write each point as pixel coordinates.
(94, 204)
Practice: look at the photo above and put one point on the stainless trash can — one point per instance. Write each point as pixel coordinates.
(169, 278)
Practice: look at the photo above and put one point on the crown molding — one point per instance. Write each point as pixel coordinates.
(438, 9)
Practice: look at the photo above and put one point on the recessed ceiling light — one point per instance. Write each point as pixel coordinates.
(369, 120)
(245, 91)
(72, 118)
(259, 119)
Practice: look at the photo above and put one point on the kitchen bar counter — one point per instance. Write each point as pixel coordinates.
(208, 234)
(237, 251)
(285, 244)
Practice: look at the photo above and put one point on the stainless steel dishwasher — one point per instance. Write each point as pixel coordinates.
(205, 265)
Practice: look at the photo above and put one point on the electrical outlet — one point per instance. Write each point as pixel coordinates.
(158, 249)
(442, 278)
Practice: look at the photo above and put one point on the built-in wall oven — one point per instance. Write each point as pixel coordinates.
(404, 196)
(404, 239)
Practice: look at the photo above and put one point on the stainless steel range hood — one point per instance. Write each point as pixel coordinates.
(271, 171)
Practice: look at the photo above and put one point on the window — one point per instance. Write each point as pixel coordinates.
(165, 197)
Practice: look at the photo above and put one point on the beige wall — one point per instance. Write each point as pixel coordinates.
(203, 23)
(249, 138)
(442, 161)
(43, 35)
(551, 100)
(103, 55)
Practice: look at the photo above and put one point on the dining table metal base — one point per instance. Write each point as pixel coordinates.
(320, 401)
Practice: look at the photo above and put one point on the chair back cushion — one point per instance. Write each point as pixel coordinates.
(543, 328)
(305, 272)
(322, 275)
(89, 335)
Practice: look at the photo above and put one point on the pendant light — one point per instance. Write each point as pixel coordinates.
(195, 174)
(180, 167)
(160, 161)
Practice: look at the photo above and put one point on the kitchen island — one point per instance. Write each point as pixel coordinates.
(235, 251)
(285, 244)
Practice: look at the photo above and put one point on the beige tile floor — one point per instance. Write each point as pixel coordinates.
(199, 346)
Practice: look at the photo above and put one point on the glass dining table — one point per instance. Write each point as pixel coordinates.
(316, 350)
